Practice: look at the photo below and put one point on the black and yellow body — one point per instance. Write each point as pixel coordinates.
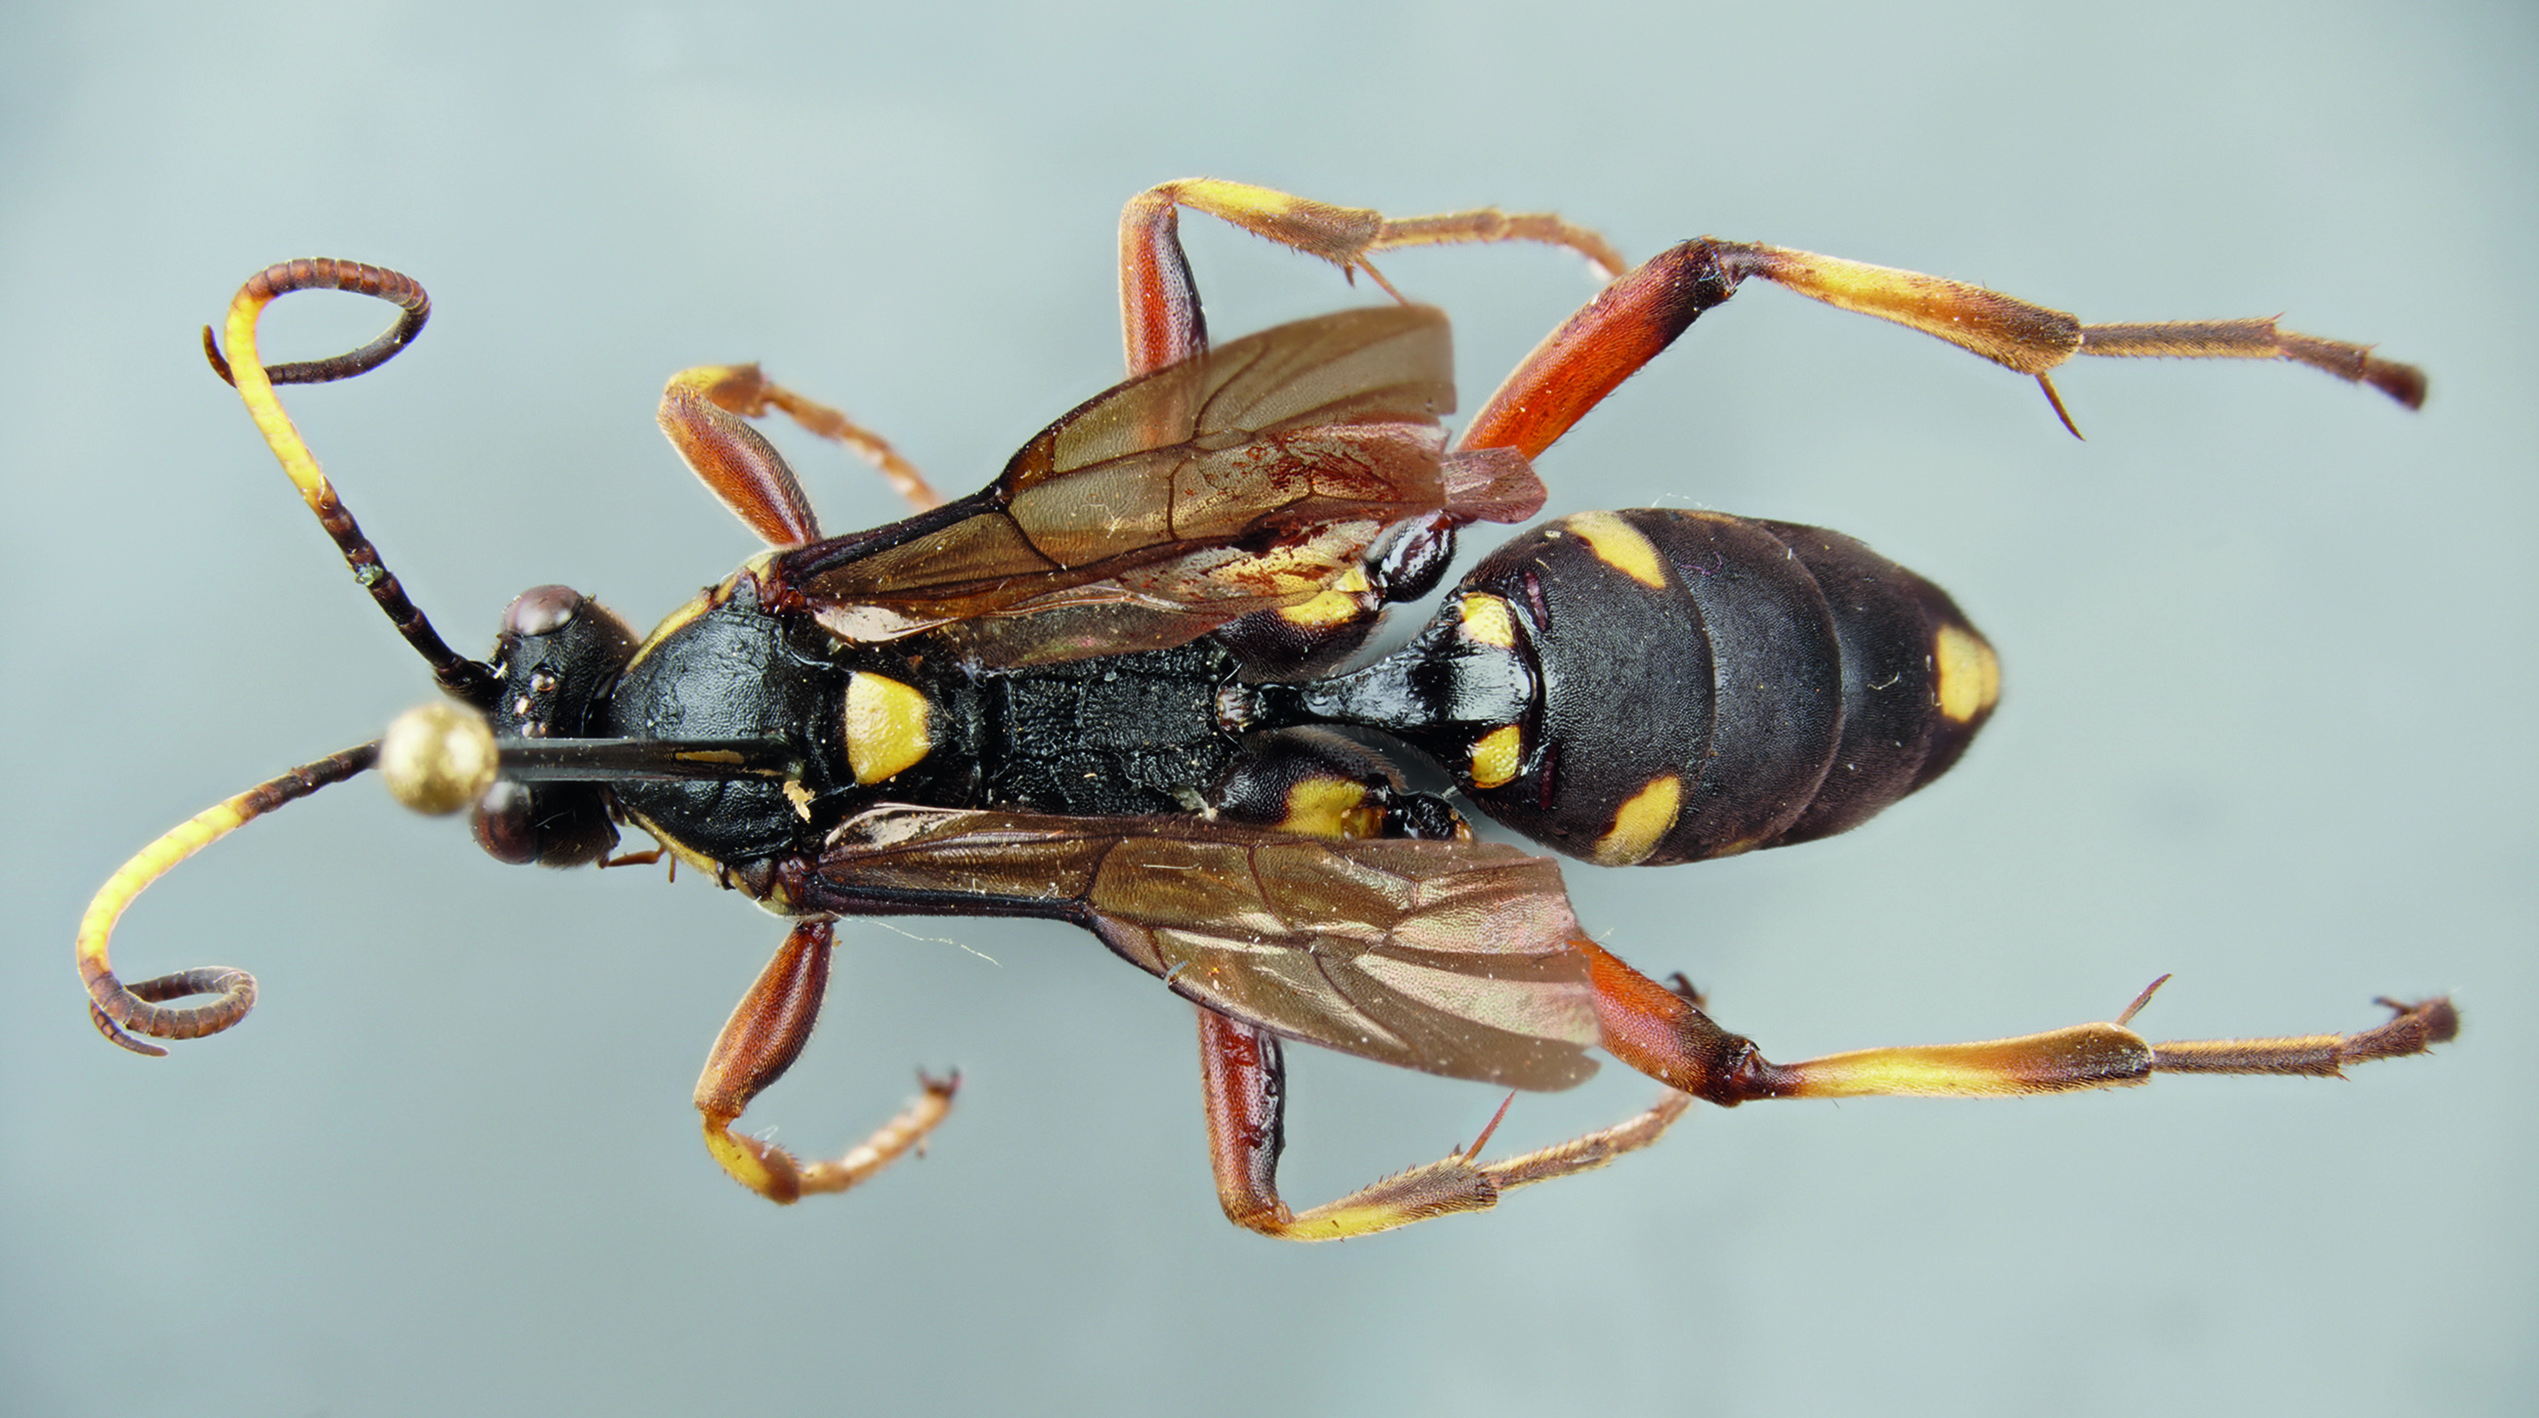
(1659, 686)
(1112, 688)
(1644, 687)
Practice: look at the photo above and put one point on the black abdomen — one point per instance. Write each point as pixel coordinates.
(1659, 686)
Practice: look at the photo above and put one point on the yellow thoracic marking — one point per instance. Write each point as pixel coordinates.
(776, 900)
(1640, 823)
(704, 601)
(888, 726)
(1969, 674)
(1488, 620)
(1621, 546)
(1494, 756)
(1330, 807)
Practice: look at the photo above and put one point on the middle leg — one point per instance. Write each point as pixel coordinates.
(1162, 324)
(1159, 303)
(704, 412)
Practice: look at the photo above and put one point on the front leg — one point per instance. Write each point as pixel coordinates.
(703, 412)
(1161, 324)
(761, 1040)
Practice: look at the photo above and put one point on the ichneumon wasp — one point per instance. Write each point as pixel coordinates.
(1106, 690)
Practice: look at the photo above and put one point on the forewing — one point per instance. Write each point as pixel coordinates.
(1249, 478)
(1449, 957)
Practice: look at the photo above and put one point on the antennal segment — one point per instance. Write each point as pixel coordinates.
(462, 677)
(115, 1007)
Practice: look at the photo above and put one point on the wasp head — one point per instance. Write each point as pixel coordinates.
(558, 656)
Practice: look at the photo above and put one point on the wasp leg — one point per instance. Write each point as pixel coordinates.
(1246, 1087)
(761, 1040)
(1162, 324)
(1636, 317)
(1159, 305)
(1319, 784)
(702, 411)
(1662, 1034)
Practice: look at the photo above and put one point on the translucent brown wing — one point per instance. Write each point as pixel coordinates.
(1450, 957)
(1246, 479)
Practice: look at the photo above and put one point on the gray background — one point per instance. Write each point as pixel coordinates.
(2269, 645)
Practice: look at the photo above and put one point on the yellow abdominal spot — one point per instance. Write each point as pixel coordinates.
(1620, 545)
(1640, 823)
(1494, 756)
(1488, 620)
(1969, 674)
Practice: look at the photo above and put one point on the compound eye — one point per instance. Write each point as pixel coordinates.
(559, 825)
(505, 823)
(542, 610)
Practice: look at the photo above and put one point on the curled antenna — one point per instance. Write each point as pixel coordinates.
(140, 1008)
(122, 1012)
(462, 677)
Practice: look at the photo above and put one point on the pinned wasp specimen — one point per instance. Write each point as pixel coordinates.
(1110, 688)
